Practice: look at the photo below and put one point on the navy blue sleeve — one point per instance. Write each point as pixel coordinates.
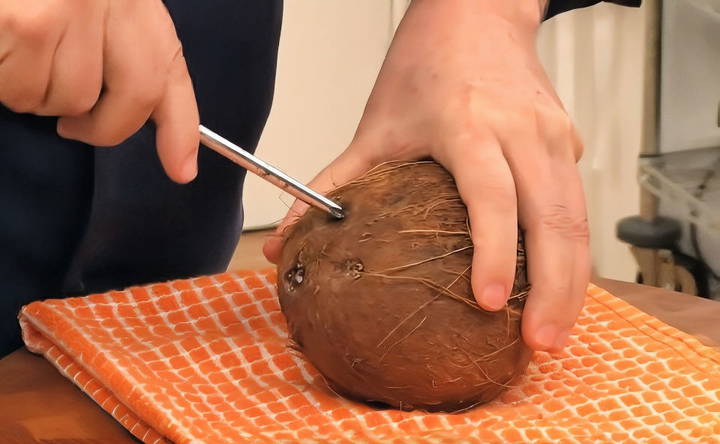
(558, 6)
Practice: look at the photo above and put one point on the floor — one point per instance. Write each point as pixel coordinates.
(248, 254)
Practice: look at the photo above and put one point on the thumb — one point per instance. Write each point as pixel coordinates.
(349, 165)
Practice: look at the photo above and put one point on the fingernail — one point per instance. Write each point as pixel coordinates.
(561, 340)
(70, 127)
(494, 296)
(62, 127)
(189, 169)
(547, 336)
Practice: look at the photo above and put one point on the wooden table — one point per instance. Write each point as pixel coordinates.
(38, 404)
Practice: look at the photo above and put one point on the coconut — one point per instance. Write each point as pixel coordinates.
(381, 302)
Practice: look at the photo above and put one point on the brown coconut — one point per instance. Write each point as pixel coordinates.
(381, 301)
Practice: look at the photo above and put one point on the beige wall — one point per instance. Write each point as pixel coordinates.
(329, 55)
(594, 56)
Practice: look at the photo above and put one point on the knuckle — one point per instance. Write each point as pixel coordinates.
(177, 51)
(75, 108)
(80, 105)
(81, 93)
(502, 196)
(33, 25)
(556, 124)
(558, 289)
(475, 147)
(562, 132)
(107, 139)
(558, 219)
(8, 23)
(578, 151)
(101, 137)
(18, 107)
(578, 146)
(144, 98)
(468, 133)
(69, 102)
(512, 121)
(563, 124)
(367, 147)
(550, 118)
(138, 87)
(26, 102)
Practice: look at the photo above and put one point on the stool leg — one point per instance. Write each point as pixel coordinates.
(686, 281)
(647, 263)
(666, 270)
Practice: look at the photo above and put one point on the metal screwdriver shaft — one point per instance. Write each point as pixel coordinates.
(268, 172)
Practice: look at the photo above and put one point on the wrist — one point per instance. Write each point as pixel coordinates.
(543, 8)
(525, 15)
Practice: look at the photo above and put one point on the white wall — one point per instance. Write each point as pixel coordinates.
(595, 58)
(330, 53)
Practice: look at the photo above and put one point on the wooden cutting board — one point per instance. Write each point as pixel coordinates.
(37, 404)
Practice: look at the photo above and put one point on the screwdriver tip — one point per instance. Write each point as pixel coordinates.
(338, 213)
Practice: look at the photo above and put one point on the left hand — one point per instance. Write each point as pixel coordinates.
(462, 84)
(104, 68)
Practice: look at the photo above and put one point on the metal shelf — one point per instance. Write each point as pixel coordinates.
(690, 179)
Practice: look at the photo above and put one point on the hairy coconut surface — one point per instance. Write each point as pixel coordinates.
(381, 302)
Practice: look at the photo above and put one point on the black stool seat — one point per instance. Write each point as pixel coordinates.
(662, 232)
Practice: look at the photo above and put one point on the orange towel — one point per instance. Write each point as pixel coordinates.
(205, 360)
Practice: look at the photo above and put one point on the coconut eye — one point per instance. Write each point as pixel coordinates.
(295, 277)
(299, 275)
(354, 268)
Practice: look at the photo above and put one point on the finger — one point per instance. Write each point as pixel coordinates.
(582, 270)
(134, 81)
(120, 112)
(556, 232)
(76, 74)
(177, 121)
(25, 66)
(346, 167)
(486, 186)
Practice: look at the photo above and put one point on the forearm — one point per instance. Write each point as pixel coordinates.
(494, 32)
(478, 18)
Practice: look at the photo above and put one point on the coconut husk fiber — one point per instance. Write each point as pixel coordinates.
(381, 302)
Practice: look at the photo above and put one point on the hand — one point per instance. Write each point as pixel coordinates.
(104, 67)
(462, 83)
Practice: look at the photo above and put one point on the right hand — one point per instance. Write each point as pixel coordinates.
(104, 67)
(462, 84)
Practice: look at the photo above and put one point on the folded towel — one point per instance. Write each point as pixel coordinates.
(206, 360)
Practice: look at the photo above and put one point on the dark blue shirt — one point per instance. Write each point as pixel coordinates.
(76, 219)
(557, 6)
